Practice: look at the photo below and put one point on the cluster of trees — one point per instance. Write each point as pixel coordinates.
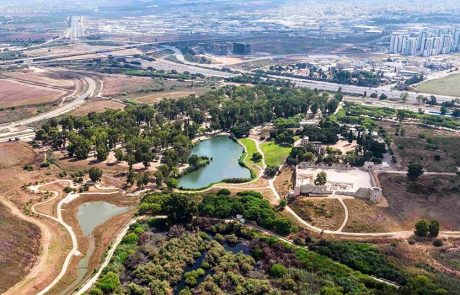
(363, 257)
(180, 209)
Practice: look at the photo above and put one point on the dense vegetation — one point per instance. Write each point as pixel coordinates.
(225, 258)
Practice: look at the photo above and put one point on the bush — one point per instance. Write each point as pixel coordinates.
(278, 270)
(95, 174)
(109, 282)
(421, 228)
(437, 157)
(438, 243)
(223, 192)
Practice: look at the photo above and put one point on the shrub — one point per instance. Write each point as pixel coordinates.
(278, 270)
(95, 174)
(438, 243)
(131, 238)
(109, 282)
(437, 157)
(223, 192)
(421, 228)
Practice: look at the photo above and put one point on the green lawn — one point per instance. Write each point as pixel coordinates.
(275, 154)
(251, 149)
(449, 85)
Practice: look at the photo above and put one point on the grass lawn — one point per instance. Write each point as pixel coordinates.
(275, 154)
(251, 149)
(449, 85)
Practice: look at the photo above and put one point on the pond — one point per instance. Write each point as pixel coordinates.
(225, 154)
(92, 214)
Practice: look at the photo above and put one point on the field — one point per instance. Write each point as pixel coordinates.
(59, 79)
(275, 154)
(430, 197)
(27, 94)
(424, 151)
(156, 97)
(324, 213)
(449, 85)
(364, 217)
(19, 247)
(97, 106)
(15, 154)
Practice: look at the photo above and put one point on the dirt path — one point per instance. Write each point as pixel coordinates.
(60, 220)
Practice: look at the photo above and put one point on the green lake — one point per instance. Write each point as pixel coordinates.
(225, 154)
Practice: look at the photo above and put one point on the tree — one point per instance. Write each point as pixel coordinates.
(172, 183)
(271, 171)
(179, 209)
(414, 170)
(433, 228)
(350, 137)
(456, 113)
(433, 100)
(119, 155)
(383, 96)
(95, 174)
(401, 115)
(321, 178)
(421, 228)
(101, 152)
(444, 110)
(256, 157)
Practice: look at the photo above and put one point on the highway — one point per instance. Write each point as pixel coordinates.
(17, 130)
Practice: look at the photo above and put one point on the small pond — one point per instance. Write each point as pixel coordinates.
(92, 214)
(225, 154)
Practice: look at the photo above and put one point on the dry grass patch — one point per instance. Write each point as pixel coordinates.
(430, 197)
(13, 94)
(324, 213)
(97, 106)
(364, 217)
(15, 154)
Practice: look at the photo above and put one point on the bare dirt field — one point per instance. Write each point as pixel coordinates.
(60, 79)
(364, 217)
(15, 93)
(430, 197)
(15, 154)
(120, 85)
(97, 106)
(324, 213)
(35, 272)
(283, 182)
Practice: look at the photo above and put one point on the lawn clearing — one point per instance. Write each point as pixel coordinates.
(251, 149)
(275, 155)
(449, 85)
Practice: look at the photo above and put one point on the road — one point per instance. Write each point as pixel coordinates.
(76, 29)
(15, 128)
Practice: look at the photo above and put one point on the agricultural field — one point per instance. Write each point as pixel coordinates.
(275, 155)
(429, 197)
(449, 85)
